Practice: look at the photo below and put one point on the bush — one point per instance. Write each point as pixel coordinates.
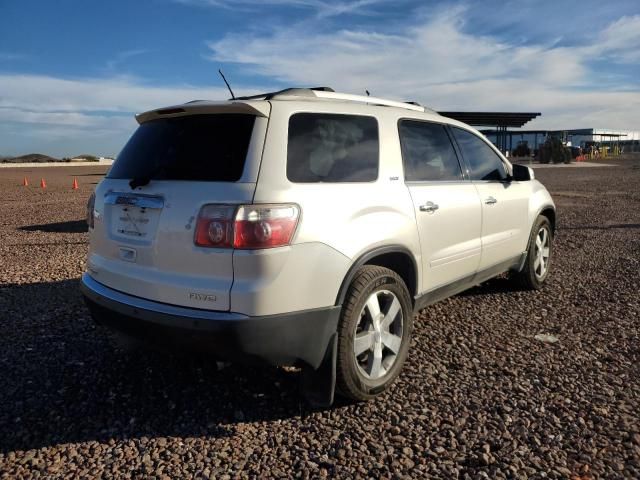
(553, 151)
(522, 150)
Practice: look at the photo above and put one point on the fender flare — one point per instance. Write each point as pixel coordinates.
(523, 258)
(364, 258)
(554, 223)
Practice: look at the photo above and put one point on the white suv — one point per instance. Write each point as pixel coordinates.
(305, 227)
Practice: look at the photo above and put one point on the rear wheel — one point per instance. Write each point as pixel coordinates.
(374, 333)
(539, 256)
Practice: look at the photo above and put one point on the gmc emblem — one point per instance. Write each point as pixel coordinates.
(126, 200)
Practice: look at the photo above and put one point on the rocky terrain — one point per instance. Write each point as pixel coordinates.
(480, 396)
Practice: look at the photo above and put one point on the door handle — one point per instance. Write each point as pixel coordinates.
(490, 200)
(429, 207)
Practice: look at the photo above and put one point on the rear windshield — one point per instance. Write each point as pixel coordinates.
(327, 147)
(196, 147)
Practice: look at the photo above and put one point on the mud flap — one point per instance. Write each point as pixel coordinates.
(318, 386)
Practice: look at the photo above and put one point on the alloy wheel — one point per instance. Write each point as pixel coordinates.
(378, 334)
(541, 253)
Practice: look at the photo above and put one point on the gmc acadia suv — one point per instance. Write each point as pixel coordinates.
(306, 227)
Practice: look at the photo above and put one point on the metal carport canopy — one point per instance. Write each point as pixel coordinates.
(492, 119)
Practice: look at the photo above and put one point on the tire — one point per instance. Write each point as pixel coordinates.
(374, 369)
(536, 266)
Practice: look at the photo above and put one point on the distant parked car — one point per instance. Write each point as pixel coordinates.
(306, 227)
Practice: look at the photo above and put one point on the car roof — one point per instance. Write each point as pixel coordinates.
(320, 98)
(259, 104)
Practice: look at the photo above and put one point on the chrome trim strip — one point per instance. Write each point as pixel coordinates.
(133, 199)
(436, 294)
(123, 303)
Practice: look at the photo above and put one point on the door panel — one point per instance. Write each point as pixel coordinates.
(447, 206)
(504, 203)
(450, 233)
(504, 220)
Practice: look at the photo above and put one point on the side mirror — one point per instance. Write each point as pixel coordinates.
(522, 173)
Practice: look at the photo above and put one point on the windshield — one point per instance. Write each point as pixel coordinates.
(195, 147)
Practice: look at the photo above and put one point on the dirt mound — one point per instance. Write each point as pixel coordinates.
(30, 158)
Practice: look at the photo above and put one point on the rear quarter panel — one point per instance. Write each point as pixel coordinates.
(347, 218)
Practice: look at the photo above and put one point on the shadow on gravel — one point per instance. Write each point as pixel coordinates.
(40, 244)
(73, 226)
(601, 227)
(502, 284)
(65, 380)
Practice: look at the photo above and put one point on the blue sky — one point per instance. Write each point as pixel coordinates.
(73, 73)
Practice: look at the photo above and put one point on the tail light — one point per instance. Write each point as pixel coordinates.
(246, 226)
(215, 226)
(90, 207)
(264, 226)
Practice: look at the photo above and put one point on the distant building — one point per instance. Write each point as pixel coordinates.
(626, 140)
(602, 135)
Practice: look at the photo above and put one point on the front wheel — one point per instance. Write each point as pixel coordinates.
(374, 333)
(539, 256)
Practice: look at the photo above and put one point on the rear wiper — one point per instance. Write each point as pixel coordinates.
(144, 180)
(139, 182)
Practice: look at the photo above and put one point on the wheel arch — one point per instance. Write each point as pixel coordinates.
(394, 257)
(550, 213)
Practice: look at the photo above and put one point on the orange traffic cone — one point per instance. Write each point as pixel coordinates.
(25, 182)
(43, 184)
(75, 183)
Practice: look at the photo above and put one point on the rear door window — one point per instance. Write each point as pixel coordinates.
(194, 147)
(427, 152)
(484, 163)
(327, 147)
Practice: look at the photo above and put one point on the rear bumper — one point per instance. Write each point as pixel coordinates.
(285, 339)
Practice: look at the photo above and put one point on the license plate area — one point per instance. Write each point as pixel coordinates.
(133, 218)
(131, 221)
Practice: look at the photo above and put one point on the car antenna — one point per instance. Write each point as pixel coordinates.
(368, 94)
(233, 97)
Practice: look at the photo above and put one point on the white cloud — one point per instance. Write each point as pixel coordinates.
(60, 114)
(436, 62)
(425, 54)
(116, 94)
(63, 119)
(620, 40)
(322, 8)
(123, 57)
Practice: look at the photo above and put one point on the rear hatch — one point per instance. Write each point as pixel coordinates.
(145, 212)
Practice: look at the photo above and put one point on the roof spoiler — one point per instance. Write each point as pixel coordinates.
(201, 107)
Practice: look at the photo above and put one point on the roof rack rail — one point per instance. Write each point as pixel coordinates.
(370, 100)
(330, 94)
(290, 91)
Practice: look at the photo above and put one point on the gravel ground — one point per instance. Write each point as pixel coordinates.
(479, 397)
